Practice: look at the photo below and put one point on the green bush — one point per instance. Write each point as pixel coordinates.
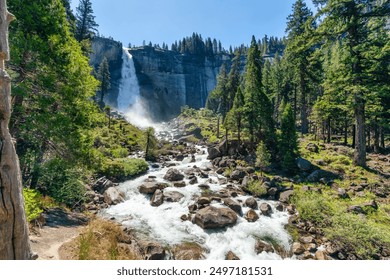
(313, 207)
(32, 204)
(62, 182)
(257, 188)
(124, 168)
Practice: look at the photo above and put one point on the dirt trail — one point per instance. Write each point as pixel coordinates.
(60, 227)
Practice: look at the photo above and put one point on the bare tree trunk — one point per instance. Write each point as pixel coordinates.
(14, 240)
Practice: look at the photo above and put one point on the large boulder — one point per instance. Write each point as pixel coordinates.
(151, 187)
(297, 248)
(319, 174)
(285, 196)
(214, 153)
(173, 175)
(152, 250)
(157, 198)
(172, 196)
(211, 217)
(112, 196)
(230, 256)
(237, 174)
(251, 216)
(303, 164)
(265, 209)
(251, 203)
(232, 204)
(262, 246)
(102, 184)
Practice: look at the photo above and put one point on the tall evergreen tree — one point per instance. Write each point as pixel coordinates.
(349, 20)
(85, 21)
(103, 76)
(258, 109)
(288, 144)
(299, 52)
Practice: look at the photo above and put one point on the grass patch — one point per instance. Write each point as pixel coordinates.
(257, 188)
(100, 241)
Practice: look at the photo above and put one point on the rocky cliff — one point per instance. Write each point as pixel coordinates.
(103, 47)
(168, 80)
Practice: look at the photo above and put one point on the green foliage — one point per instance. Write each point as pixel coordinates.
(124, 168)
(313, 207)
(32, 203)
(263, 157)
(85, 21)
(288, 143)
(150, 144)
(256, 188)
(62, 182)
(362, 237)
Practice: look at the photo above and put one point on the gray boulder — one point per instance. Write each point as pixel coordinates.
(237, 174)
(151, 187)
(232, 204)
(173, 175)
(303, 164)
(251, 216)
(265, 209)
(157, 198)
(172, 196)
(211, 217)
(214, 153)
(251, 203)
(112, 196)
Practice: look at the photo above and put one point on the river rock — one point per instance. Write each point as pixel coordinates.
(279, 207)
(179, 184)
(237, 174)
(251, 216)
(151, 187)
(172, 196)
(285, 196)
(193, 181)
(303, 164)
(297, 248)
(112, 196)
(232, 204)
(157, 198)
(262, 246)
(204, 187)
(251, 203)
(173, 175)
(214, 153)
(230, 256)
(211, 217)
(152, 250)
(203, 200)
(320, 255)
(342, 193)
(265, 209)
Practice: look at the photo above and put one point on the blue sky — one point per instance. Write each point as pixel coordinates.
(233, 22)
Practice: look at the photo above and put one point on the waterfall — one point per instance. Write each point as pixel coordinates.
(130, 102)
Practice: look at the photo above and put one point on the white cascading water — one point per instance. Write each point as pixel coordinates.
(164, 225)
(129, 99)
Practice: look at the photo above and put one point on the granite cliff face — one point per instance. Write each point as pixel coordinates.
(103, 47)
(167, 80)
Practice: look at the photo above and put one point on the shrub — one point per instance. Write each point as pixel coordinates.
(124, 168)
(32, 204)
(257, 188)
(62, 182)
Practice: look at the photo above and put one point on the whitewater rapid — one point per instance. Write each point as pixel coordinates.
(164, 225)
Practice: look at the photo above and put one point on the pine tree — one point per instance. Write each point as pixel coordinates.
(263, 156)
(288, 144)
(258, 109)
(233, 79)
(103, 76)
(150, 144)
(350, 21)
(218, 99)
(85, 21)
(299, 51)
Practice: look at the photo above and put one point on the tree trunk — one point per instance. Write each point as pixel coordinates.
(360, 149)
(382, 137)
(14, 240)
(218, 126)
(353, 136)
(369, 137)
(329, 131)
(346, 131)
(376, 136)
(304, 120)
